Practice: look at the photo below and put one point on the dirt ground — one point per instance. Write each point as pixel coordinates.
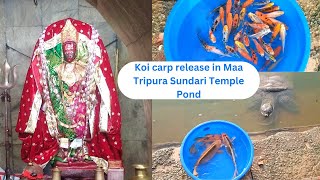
(283, 155)
(162, 8)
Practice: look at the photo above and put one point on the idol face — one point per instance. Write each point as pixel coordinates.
(69, 51)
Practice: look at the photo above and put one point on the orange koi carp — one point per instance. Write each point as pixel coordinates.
(242, 14)
(240, 45)
(266, 6)
(228, 6)
(207, 155)
(277, 51)
(225, 34)
(247, 3)
(271, 9)
(228, 145)
(258, 47)
(237, 36)
(246, 40)
(264, 18)
(235, 23)
(258, 26)
(221, 12)
(254, 18)
(276, 31)
(212, 37)
(215, 24)
(230, 49)
(274, 21)
(254, 56)
(229, 22)
(275, 14)
(267, 47)
(212, 49)
(244, 54)
(210, 138)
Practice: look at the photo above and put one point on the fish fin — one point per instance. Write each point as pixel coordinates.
(266, 64)
(193, 149)
(197, 138)
(217, 8)
(232, 139)
(203, 144)
(223, 145)
(207, 158)
(235, 173)
(271, 67)
(236, 55)
(226, 55)
(206, 144)
(195, 171)
(220, 151)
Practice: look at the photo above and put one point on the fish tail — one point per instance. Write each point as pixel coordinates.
(195, 171)
(235, 170)
(203, 43)
(225, 55)
(237, 55)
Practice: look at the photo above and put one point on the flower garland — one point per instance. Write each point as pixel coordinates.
(53, 87)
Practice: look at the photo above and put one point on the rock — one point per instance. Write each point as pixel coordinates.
(261, 161)
(25, 14)
(27, 38)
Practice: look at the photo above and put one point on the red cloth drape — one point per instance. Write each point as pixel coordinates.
(40, 147)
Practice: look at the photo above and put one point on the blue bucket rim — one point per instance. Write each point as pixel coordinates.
(295, 4)
(247, 168)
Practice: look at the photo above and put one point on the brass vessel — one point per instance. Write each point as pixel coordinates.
(56, 173)
(140, 172)
(99, 175)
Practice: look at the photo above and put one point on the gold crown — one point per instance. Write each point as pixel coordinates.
(69, 32)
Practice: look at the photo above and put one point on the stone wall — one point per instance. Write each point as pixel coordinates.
(21, 22)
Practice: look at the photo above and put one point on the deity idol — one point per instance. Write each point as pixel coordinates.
(69, 110)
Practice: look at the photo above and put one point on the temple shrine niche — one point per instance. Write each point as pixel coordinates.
(70, 115)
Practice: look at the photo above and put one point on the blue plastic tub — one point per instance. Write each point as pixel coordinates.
(220, 167)
(191, 16)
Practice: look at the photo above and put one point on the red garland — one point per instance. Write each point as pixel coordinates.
(27, 174)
